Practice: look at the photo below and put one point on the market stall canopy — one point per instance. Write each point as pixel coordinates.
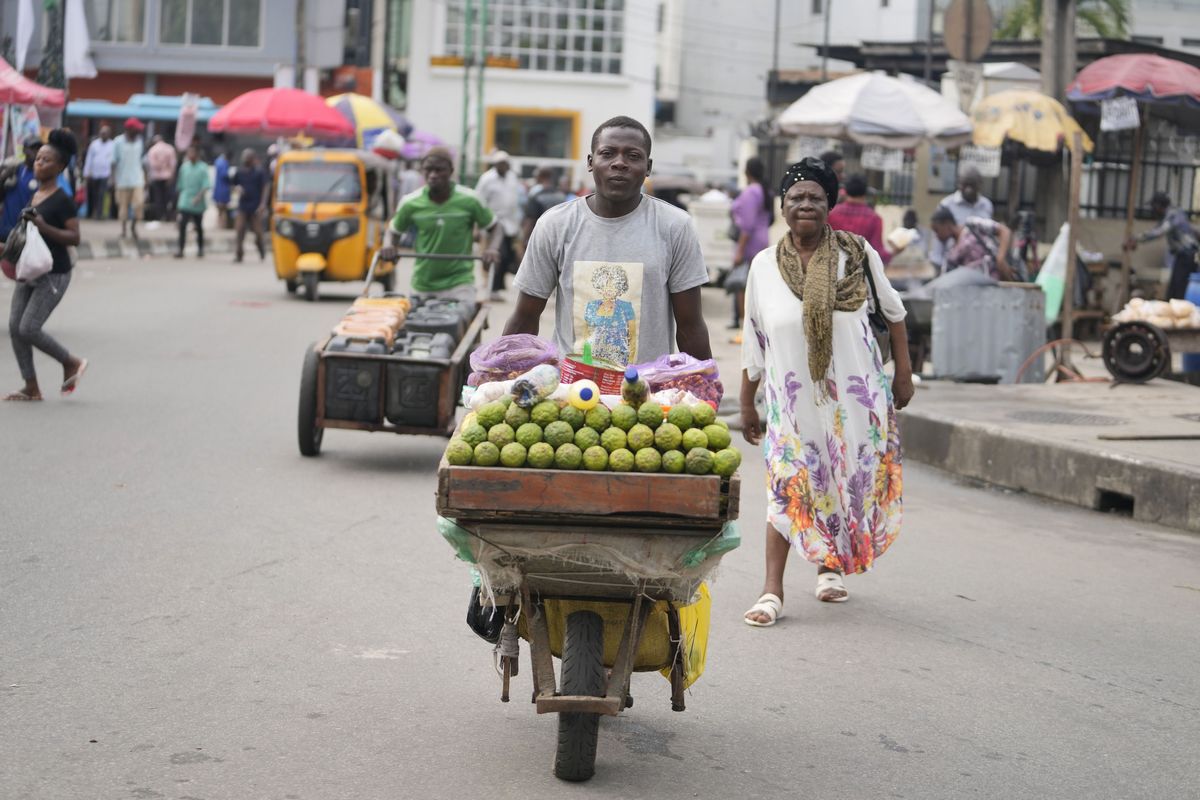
(281, 112)
(369, 117)
(1151, 79)
(16, 89)
(150, 107)
(1025, 118)
(872, 108)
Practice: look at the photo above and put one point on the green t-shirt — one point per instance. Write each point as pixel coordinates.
(191, 181)
(443, 228)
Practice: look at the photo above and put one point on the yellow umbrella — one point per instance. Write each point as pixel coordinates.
(1026, 117)
(369, 117)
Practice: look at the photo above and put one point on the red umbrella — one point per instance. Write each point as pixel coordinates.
(281, 112)
(1151, 79)
(16, 89)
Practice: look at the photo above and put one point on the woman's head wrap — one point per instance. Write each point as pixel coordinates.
(811, 169)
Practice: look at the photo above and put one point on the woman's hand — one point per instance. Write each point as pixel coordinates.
(902, 389)
(751, 425)
(32, 215)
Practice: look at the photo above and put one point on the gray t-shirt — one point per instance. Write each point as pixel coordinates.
(614, 277)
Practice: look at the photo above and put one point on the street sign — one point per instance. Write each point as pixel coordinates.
(967, 29)
(1119, 114)
(984, 159)
(883, 159)
(967, 78)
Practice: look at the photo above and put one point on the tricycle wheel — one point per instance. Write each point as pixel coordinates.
(311, 279)
(582, 674)
(388, 282)
(310, 434)
(291, 284)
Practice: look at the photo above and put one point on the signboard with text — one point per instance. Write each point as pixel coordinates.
(1119, 114)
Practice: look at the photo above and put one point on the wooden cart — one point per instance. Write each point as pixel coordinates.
(1138, 351)
(525, 518)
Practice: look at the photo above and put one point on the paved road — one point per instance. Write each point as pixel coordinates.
(188, 609)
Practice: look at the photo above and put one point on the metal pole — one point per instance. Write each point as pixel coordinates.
(1135, 186)
(468, 15)
(483, 29)
(929, 43)
(301, 44)
(825, 51)
(1068, 304)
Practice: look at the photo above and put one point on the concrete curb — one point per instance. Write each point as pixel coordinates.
(147, 248)
(1161, 492)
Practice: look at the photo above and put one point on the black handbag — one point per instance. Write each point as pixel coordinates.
(875, 318)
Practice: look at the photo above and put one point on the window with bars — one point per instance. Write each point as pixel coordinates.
(233, 23)
(568, 36)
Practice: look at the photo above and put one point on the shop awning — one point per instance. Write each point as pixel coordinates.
(16, 89)
(151, 107)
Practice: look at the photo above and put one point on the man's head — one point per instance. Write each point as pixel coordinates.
(545, 176)
(856, 187)
(438, 167)
(499, 162)
(249, 158)
(105, 133)
(30, 147)
(133, 126)
(836, 162)
(969, 183)
(193, 152)
(620, 159)
(944, 226)
(1159, 203)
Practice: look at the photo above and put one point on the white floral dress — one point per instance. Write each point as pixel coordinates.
(833, 467)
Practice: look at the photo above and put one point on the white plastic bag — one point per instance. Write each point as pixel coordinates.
(35, 260)
(1052, 277)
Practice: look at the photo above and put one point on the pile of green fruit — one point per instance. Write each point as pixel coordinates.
(626, 439)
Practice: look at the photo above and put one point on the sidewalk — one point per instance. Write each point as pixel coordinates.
(1097, 445)
(102, 239)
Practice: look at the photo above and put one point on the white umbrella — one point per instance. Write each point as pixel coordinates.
(873, 108)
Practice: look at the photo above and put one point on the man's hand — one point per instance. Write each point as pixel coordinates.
(388, 253)
(491, 257)
(1130, 244)
(751, 425)
(902, 389)
(739, 255)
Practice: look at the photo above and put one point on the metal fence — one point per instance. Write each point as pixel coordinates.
(1169, 164)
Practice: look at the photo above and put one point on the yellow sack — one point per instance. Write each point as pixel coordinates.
(654, 651)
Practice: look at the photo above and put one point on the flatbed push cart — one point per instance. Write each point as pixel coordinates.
(582, 564)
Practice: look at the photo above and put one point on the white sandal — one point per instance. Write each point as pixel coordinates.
(830, 588)
(769, 604)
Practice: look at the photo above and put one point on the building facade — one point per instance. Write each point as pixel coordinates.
(554, 73)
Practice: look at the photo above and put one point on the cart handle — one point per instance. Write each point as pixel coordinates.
(430, 256)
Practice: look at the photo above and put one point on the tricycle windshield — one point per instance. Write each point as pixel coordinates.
(318, 182)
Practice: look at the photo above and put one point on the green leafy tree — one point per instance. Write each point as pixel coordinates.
(1107, 18)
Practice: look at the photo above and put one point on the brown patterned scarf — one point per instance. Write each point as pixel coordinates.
(822, 294)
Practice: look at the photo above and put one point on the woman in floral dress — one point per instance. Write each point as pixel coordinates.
(831, 443)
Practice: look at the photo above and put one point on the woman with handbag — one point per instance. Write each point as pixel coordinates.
(52, 213)
(752, 213)
(819, 316)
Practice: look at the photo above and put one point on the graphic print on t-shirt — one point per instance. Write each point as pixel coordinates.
(608, 303)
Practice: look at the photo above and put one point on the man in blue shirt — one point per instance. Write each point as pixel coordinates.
(252, 179)
(17, 186)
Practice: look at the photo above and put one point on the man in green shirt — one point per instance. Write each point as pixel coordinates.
(445, 216)
(191, 184)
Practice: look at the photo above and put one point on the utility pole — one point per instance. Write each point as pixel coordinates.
(468, 56)
(929, 42)
(483, 54)
(301, 44)
(825, 51)
(774, 82)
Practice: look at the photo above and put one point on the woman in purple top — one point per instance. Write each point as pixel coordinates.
(753, 215)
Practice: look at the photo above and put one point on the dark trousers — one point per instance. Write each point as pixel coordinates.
(195, 219)
(97, 198)
(252, 220)
(160, 199)
(32, 304)
(507, 264)
(1182, 267)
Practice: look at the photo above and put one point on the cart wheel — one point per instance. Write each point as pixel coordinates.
(388, 282)
(582, 674)
(1136, 352)
(291, 284)
(311, 279)
(310, 435)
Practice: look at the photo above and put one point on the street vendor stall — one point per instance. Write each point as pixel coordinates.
(22, 102)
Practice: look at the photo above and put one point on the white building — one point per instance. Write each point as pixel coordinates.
(569, 69)
(1169, 23)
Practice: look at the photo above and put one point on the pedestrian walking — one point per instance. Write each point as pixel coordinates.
(192, 185)
(832, 448)
(161, 163)
(17, 185)
(251, 179)
(977, 243)
(446, 217)
(544, 196)
(97, 172)
(1182, 243)
(499, 190)
(854, 215)
(221, 190)
(129, 176)
(53, 212)
(753, 213)
(625, 268)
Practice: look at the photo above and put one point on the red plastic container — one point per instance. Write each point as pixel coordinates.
(607, 376)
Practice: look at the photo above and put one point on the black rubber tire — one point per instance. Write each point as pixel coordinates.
(292, 285)
(388, 282)
(310, 282)
(310, 435)
(582, 674)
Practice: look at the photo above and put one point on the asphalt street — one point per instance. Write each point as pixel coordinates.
(191, 610)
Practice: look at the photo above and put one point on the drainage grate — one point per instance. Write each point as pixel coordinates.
(1064, 418)
(1189, 417)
